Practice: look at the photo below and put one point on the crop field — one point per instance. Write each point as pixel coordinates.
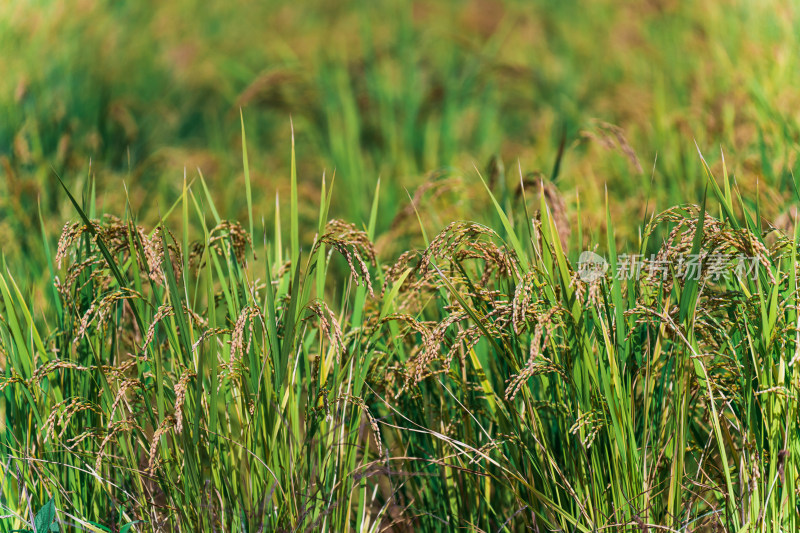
(479, 266)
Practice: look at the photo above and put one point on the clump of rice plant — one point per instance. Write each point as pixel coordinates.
(483, 383)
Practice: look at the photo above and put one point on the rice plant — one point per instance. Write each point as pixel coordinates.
(485, 382)
(493, 287)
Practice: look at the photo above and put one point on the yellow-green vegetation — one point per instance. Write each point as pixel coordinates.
(144, 89)
(419, 352)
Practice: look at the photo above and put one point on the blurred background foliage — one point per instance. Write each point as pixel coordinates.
(416, 93)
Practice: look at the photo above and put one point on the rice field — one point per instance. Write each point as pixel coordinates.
(477, 266)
